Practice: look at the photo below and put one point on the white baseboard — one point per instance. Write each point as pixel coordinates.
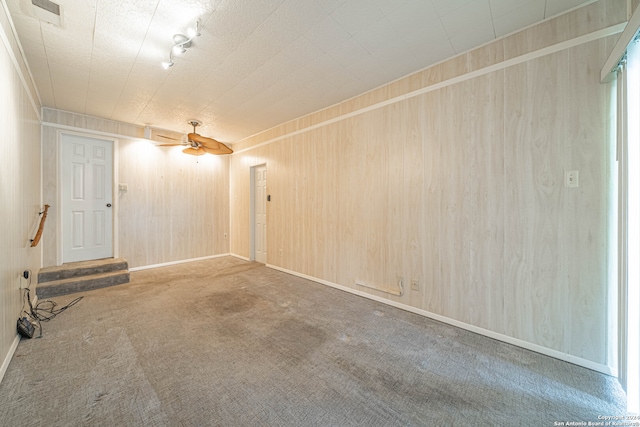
(182, 261)
(241, 257)
(488, 333)
(7, 359)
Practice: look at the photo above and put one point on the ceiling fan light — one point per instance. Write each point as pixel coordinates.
(192, 32)
(180, 39)
(178, 49)
(181, 43)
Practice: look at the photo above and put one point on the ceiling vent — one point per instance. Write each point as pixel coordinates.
(47, 11)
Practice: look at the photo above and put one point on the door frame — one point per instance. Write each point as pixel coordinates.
(252, 210)
(59, 183)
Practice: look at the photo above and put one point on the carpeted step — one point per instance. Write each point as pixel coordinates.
(83, 283)
(82, 268)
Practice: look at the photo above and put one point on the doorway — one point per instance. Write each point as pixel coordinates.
(85, 198)
(259, 214)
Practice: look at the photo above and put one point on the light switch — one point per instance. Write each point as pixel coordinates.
(123, 187)
(571, 179)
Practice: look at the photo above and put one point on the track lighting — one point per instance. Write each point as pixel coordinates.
(181, 44)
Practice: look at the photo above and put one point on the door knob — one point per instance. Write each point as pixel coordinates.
(108, 205)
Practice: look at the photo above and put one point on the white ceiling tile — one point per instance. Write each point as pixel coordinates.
(474, 36)
(211, 88)
(69, 88)
(555, 7)
(413, 16)
(321, 66)
(326, 6)
(474, 14)
(389, 6)
(301, 51)
(446, 6)
(433, 31)
(273, 70)
(379, 36)
(272, 36)
(398, 58)
(364, 68)
(433, 55)
(256, 63)
(327, 34)
(355, 87)
(500, 8)
(300, 15)
(347, 52)
(356, 15)
(418, 23)
(520, 17)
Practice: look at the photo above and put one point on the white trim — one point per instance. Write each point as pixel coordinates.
(7, 359)
(93, 132)
(252, 213)
(41, 250)
(182, 261)
(244, 258)
(252, 210)
(622, 225)
(115, 200)
(11, 53)
(608, 71)
(494, 335)
(596, 35)
(59, 242)
(59, 182)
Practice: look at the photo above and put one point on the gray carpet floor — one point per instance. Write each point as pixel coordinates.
(231, 343)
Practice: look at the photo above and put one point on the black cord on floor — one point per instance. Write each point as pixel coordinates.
(44, 310)
(30, 313)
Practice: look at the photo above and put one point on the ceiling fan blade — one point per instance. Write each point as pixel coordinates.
(222, 149)
(193, 151)
(168, 144)
(225, 149)
(209, 142)
(209, 145)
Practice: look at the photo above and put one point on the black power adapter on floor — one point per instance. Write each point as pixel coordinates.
(25, 328)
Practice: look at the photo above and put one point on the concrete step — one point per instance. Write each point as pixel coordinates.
(82, 268)
(82, 283)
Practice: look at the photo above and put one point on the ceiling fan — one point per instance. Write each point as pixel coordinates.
(200, 145)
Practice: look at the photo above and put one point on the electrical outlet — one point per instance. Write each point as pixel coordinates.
(225, 235)
(280, 252)
(415, 285)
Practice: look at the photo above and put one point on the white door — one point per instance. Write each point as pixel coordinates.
(87, 218)
(260, 204)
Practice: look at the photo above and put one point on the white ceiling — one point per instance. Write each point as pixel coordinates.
(257, 63)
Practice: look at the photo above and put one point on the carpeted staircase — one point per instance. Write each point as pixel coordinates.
(81, 276)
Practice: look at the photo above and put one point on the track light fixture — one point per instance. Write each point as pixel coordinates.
(181, 44)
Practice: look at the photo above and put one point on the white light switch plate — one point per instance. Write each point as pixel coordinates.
(571, 179)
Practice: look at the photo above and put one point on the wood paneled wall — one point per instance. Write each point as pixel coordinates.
(459, 189)
(20, 190)
(176, 207)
